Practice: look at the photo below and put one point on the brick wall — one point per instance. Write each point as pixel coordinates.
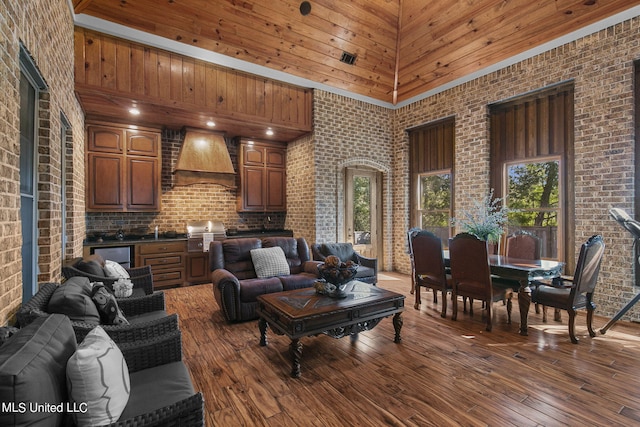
(47, 35)
(349, 133)
(601, 67)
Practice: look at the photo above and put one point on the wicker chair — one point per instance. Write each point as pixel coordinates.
(141, 277)
(153, 364)
(146, 314)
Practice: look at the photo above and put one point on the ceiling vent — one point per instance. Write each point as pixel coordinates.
(348, 58)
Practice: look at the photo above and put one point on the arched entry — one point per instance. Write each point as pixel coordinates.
(363, 218)
(383, 208)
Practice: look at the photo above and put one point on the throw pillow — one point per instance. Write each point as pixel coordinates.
(98, 377)
(92, 267)
(270, 262)
(113, 269)
(107, 306)
(73, 298)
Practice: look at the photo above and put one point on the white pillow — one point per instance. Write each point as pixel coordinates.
(97, 375)
(270, 262)
(113, 269)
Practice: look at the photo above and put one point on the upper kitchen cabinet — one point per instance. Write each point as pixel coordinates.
(123, 168)
(263, 176)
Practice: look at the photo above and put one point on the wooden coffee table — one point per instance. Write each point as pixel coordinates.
(302, 312)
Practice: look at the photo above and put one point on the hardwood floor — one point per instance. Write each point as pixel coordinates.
(442, 373)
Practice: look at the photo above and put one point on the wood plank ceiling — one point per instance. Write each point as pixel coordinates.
(402, 47)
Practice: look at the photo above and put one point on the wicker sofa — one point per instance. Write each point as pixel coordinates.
(34, 367)
(235, 282)
(146, 314)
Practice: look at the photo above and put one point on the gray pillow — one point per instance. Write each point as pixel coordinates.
(32, 369)
(91, 267)
(73, 298)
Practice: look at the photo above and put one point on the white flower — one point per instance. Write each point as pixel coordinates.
(486, 219)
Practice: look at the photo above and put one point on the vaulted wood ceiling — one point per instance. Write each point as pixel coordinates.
(403, 48)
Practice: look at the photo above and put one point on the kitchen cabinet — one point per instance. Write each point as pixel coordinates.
(198, 268)
(123, 168)
(167, 261)
(263, 176)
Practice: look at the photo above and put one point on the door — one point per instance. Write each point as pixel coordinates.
(363, 211)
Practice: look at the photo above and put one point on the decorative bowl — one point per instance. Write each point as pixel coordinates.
(338, 275)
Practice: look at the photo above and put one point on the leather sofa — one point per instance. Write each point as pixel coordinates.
(367, 267)
(235, 282)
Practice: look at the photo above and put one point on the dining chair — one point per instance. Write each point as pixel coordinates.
(522, 244)
(412, 232)
(428, 267)
(471, 276)
(571, 293)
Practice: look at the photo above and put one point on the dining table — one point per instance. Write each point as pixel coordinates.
(522, 272)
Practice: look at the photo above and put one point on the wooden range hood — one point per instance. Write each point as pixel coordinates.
(204, 159)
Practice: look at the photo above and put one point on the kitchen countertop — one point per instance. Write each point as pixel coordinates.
(133, 240)
(128, 241)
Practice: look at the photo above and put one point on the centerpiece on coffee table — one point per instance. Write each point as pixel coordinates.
(335, 275)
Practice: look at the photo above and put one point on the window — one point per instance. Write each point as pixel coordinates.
(434, 203)
(431, 169)
(31, 84)
(533, 196)
(532, 166)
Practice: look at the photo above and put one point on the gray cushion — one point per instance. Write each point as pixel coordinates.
(344, 251)
(157, 387)
(33, 369)
(91, 267)
(73, 298)
(147, 317)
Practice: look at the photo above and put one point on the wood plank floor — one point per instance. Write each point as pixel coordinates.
(442, 373)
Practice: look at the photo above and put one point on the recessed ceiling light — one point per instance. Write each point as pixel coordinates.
(210, 123)
(269, 131)
(134, 111)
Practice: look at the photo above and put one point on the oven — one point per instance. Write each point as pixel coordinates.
(201, 233)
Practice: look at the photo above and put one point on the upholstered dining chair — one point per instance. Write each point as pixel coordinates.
(471, 276)
(576, 292)
(522, 244)
(428, 267)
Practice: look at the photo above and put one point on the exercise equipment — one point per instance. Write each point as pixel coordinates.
(633, 227)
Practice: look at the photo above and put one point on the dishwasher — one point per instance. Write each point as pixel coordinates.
(119, 254)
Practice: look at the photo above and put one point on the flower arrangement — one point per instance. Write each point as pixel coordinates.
(486, 219)
(123, 288)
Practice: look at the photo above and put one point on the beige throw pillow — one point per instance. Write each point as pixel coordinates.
(270, 262)
(98, 377)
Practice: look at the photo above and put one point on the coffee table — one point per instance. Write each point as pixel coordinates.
(302, 312)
